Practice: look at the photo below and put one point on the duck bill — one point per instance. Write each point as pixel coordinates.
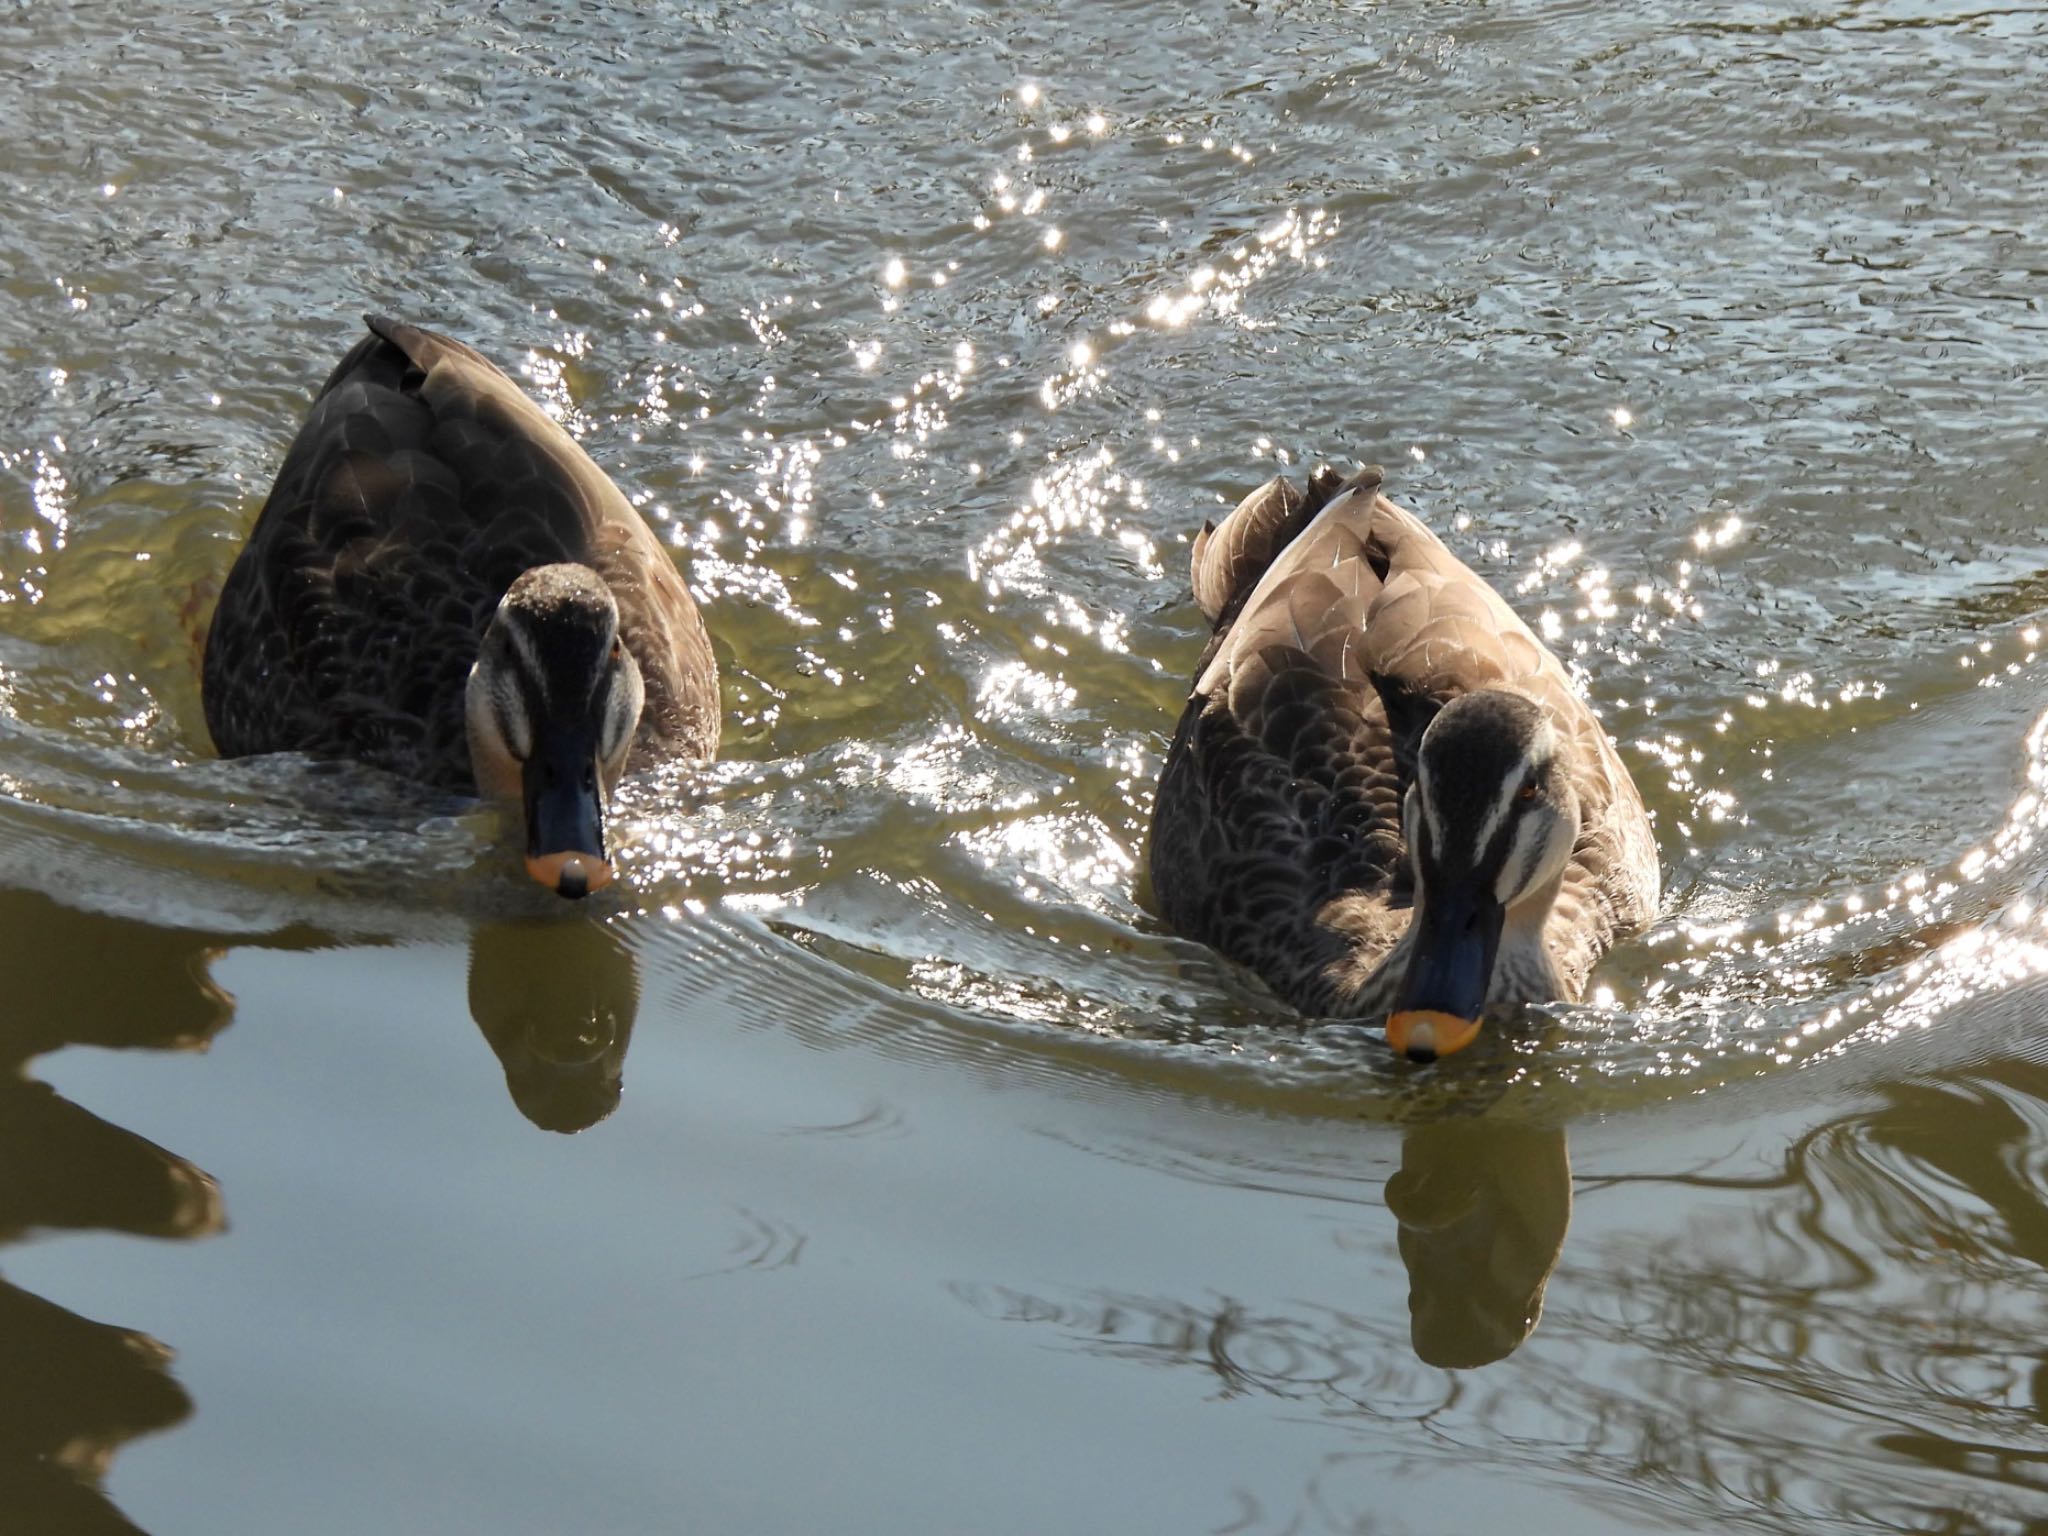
(1444, 993)
(565, 822)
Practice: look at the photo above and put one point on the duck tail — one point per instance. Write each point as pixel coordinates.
(1230, 557)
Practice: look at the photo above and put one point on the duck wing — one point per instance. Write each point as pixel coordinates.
(1281, 791)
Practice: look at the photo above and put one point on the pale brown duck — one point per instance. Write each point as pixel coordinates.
(1384, 795)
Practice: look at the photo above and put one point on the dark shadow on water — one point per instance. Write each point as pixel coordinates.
(556, 1001)
(1482, 1207)
(72, 1390)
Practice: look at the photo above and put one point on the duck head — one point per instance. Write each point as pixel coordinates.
(552, 705)
(1490, 819)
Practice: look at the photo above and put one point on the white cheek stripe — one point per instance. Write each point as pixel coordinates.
(1508, 884)
(529, 658)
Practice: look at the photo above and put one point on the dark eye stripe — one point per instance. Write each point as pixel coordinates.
(1530, 863)
(618, 722)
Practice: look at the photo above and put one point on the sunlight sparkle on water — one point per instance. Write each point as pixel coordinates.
(51, 492)
(1220, 291)
(550, 379)
(1011, 688)
(1720, 536)
(934, 772)
(1069, 851)
(1744, 974)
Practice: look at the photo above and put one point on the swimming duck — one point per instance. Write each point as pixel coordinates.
(1383, 795)
(443, 585)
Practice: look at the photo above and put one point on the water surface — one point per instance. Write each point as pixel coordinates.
(923, 1183)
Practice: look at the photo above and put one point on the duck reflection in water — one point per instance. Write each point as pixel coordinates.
(1482, 1207)
(73, 1391)
(556, 1001)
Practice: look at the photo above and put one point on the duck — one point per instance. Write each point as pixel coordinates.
(1384, 795)
(442, 584)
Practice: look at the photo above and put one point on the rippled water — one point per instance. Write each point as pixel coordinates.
(945, 1191)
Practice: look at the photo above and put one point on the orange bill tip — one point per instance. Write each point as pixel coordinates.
(1423, 1034)
(570, 874)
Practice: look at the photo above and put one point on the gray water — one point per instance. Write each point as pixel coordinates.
(943, 1191)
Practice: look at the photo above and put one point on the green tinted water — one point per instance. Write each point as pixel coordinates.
(943, 1192)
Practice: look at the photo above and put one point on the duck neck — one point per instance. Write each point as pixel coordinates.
(1523, 970)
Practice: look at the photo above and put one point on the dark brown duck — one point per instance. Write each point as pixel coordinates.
(443, 585)
(1384, 795)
